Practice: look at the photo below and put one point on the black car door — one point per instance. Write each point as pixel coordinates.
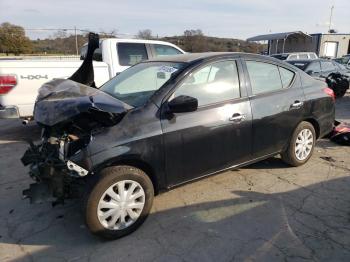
(277, 101)
(215, 136)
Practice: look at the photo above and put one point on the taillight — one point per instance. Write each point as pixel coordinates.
(7, 82)
(329, 92)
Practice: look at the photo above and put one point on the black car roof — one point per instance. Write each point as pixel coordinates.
(193, 57)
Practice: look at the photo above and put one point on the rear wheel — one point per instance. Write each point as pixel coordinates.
(120, 202)
(301, 145)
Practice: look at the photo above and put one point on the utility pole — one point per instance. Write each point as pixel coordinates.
(76, 40)
(330, 19)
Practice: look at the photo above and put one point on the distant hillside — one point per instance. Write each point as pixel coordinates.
(58, 45)
(197, 43)
(214, 44)
(14, 41)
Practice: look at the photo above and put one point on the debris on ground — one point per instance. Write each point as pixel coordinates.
(328, 158)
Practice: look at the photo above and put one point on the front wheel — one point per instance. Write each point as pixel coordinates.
(301, 145)
(120, 202)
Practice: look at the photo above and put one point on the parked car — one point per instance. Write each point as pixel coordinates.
(295, 56)
(168, 121)
(21, 79)
(335, 74)
(320, 67)
(345, 61)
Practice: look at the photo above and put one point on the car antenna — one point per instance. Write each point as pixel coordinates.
(85, 73)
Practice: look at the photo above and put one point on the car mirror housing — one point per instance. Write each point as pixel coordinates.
(182, 104)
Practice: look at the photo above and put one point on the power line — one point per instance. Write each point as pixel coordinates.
(77, 29)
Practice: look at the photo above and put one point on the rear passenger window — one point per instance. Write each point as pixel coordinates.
(287, 77)
(214, 83)
(263, 77)
(292, 57)
(131, 53)
(161, 50)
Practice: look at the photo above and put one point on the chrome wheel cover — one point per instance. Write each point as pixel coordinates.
(304, 144)
(121, 205)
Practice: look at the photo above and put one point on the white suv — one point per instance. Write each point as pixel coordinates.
(296, 56)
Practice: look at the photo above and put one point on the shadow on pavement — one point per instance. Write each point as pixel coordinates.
(13, 130)
(309, 223)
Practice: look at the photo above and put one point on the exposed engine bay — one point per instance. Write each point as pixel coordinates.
(61, 160)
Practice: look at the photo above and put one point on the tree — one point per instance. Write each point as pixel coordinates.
(194, 41)
(13, 39)
(145, 34)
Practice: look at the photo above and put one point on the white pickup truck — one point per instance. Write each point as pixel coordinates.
(21, 79)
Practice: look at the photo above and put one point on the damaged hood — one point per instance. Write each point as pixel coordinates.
(62, 99)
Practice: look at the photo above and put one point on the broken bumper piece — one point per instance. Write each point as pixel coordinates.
(78, 169)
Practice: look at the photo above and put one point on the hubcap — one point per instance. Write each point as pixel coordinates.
(304, 144)
(121, 205)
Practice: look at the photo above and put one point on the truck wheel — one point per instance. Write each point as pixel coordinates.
(120, 202)
(301, 145)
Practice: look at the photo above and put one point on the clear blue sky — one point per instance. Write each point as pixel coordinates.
(223, 18)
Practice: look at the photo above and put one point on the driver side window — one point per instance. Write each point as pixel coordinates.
(214, 83)
(314, 67)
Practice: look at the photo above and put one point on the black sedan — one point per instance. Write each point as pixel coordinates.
(336, 75)
(320, 67)
(165, 122)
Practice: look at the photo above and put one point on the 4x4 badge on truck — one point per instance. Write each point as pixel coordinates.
(34, 77)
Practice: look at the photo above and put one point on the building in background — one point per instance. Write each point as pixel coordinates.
(324, 45)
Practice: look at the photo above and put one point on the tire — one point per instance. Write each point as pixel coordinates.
(296, 158)
(111, 210)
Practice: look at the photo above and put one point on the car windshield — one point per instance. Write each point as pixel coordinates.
(137, 84)
(300, 65)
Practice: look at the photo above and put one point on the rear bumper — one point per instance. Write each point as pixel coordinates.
(9, 112)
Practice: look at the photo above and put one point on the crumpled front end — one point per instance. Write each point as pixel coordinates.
(71, 114)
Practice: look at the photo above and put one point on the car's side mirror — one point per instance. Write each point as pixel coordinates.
(182, 104)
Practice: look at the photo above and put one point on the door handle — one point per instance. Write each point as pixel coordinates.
(237, 118)
(296, 105)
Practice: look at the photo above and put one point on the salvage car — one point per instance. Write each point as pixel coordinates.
(166, 122)
(344, 60)
(336, 75)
